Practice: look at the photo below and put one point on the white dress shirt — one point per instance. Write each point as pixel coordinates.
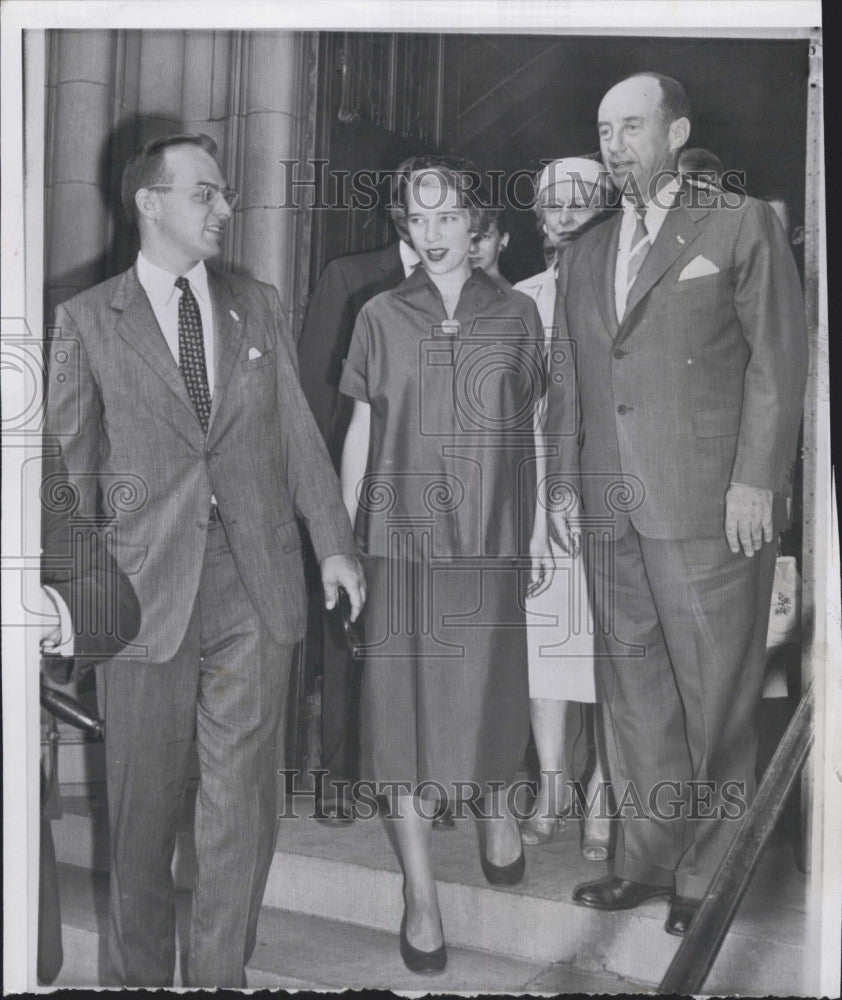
(656, 212)
(164, 297)
(409, 258)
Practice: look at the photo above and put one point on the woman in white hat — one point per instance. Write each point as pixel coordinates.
(570, 198)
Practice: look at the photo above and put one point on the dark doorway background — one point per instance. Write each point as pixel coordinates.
(510, 101)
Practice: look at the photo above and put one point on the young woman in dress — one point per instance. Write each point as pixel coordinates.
(439, 478)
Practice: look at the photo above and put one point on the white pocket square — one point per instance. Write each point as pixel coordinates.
(698, 268)
(254, 353)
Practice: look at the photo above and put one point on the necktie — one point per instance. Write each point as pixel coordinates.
(639, 247)
(191, 352)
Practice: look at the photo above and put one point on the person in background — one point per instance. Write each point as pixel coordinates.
(570, 199)
(430, 486)
(89, 612)
(547, 249)
(700, 167)
(691, 367)
(486, 246)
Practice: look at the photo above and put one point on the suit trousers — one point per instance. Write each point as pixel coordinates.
(685, 626)
(226, 687)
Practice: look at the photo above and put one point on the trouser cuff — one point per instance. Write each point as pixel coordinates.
(640, 871)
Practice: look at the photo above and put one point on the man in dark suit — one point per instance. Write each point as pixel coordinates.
(343, 288)
(689, 332)
(179, 413)
(90, 611)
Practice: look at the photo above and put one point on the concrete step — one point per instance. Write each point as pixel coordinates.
(350, 874)
(299, 952)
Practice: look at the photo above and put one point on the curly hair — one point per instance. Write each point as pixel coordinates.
(457, 172)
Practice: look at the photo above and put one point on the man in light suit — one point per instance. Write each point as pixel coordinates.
(689, 332)
(177, 410)
(343, 288)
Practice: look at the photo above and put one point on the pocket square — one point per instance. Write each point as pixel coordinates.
(254, 353)
(698, 267)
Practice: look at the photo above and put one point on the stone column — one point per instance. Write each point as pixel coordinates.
(270, 120)
(78, 162)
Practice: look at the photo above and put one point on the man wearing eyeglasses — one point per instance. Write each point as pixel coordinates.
(184, 387)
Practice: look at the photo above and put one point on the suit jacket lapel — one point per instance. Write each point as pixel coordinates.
(229, 317)
(139, 328)
(389, 266)
(676, 234)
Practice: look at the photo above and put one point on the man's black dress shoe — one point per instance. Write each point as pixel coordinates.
(682, 911)
(421, 961)
(444, 820)
(509, 874)
(613, 893)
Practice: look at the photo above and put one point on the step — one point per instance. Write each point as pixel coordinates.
(300, 952)
(350, 873)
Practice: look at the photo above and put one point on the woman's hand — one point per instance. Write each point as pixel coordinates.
(541, 574)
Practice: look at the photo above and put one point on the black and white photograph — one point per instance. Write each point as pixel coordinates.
(420, 560)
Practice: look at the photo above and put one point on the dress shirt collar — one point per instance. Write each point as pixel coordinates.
(656, 210)
(159, 284)
(409, 258)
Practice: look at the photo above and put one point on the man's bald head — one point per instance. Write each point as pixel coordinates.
(643, 120)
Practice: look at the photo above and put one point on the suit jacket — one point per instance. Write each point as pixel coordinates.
(702, 382)
(130, 447)
(343, 288)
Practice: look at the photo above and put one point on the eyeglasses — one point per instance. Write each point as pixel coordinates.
(207, 193)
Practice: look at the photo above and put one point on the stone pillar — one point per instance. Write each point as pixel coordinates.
(161, 72)
(78, 162)
(253, 92)
(270, 128)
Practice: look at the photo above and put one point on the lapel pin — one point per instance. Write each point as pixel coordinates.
(679, 238)
(237, 318)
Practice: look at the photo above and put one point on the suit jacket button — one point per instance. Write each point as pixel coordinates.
(619, 352)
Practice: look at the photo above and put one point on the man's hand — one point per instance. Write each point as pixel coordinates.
(748, 517)
(56, 628)
(343, 571)
(562, 533)
(541, 574)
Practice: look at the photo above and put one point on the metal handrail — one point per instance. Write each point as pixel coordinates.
(698, 950)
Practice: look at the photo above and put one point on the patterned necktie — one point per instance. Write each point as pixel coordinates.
(191, 352)
(639, 247)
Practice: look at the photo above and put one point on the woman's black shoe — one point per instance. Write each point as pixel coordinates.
(509, 874)
(421, 961)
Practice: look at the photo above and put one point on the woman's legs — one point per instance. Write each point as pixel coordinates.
(596, 835)
(412, 831)
(503, 844)
(548, 717)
